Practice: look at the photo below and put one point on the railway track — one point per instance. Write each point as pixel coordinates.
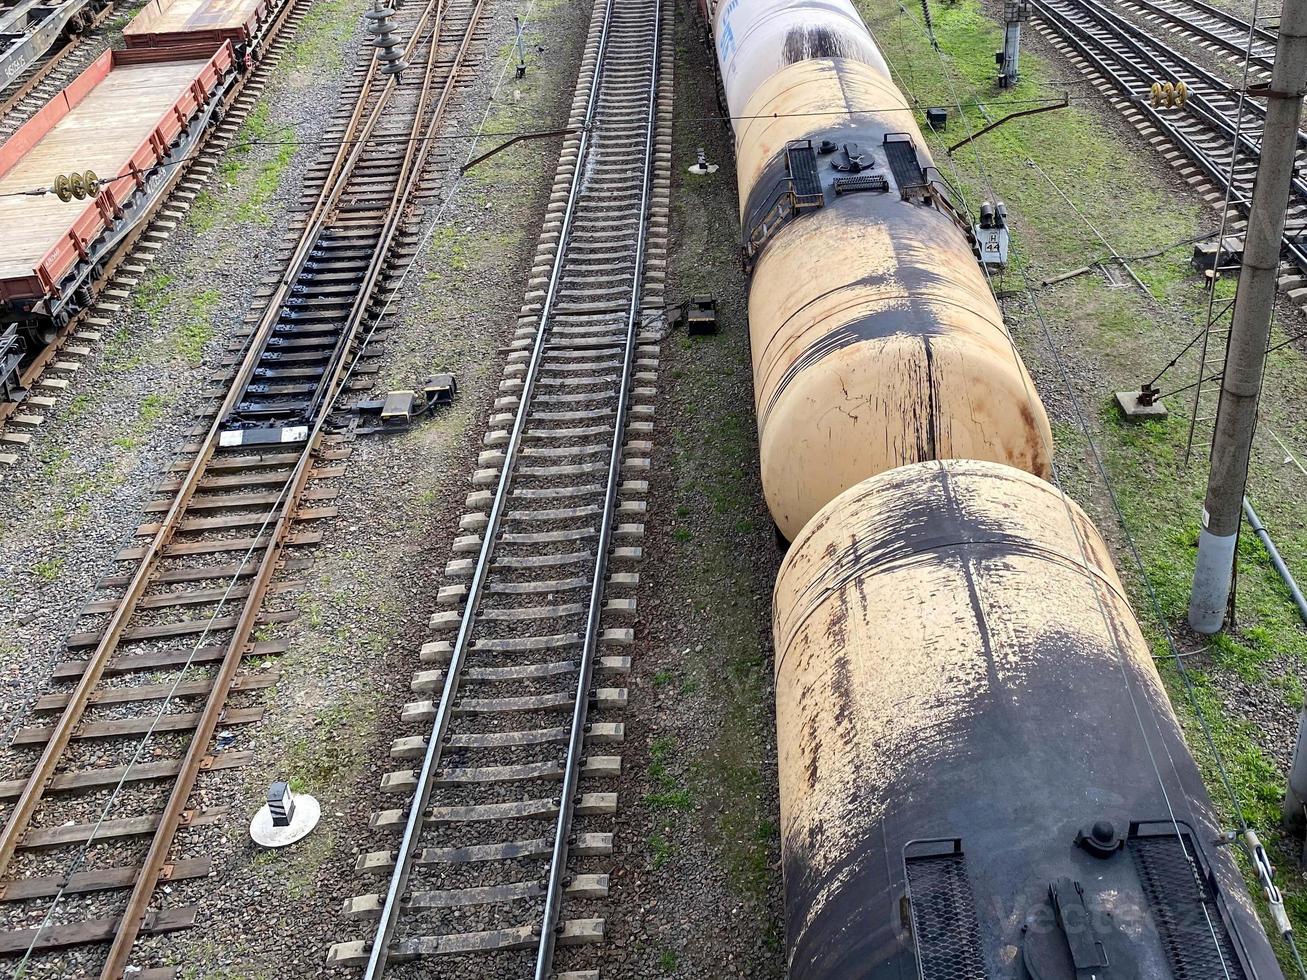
(52, 371)
(111, 772)
(495, 860)
(51, 68)
(1217, 30)
(1126, 60)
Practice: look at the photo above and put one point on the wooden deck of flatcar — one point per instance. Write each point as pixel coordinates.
(120, 119)
(101, 133)
(168, 21)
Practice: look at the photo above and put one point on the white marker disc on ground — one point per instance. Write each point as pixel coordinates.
(304, 818)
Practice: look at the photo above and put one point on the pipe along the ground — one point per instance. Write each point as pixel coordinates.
(1255, 523)
(1296, 795)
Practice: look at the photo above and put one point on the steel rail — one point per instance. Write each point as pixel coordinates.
(399, 194)
(30, 797)
(79, 699)
(576, 741)
(137, 909)
(1072, 32)
(1234, 20)
(379, 954)
(1231, 19)
(1138, 39)
(348, 153)
(1197, 104)
(415, 154)
(1233, 43)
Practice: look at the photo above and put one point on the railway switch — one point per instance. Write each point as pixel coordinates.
(285, 818)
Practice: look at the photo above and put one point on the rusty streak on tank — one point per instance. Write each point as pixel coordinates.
(951, 645)
(876, 339)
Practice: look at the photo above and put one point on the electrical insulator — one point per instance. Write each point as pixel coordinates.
(79, 186)
(1168, 94)
(381, 26)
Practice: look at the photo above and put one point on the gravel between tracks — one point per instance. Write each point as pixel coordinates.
(373, 583)
(79, 497)
(696, 887)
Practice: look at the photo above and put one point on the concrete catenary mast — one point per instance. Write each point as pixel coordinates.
(1015, 12)
(1241, 382)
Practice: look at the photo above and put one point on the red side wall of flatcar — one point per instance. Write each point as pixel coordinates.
(116, 189)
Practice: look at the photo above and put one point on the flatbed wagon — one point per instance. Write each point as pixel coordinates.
(131, 118)
(29, 28)
(169, 22)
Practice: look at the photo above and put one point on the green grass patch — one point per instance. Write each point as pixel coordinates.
(249, 175)
(152, 407)
(49, 569)
(332, 750)
(153, 295)
(195, 328)
(660, 851)
(206, 959)
(205, 211)
(79, 406)
(1116, 338)
(10, 651)
(320, 41)
(667, 790)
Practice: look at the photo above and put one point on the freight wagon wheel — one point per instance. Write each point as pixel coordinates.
(42, 333)
(82, 21)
